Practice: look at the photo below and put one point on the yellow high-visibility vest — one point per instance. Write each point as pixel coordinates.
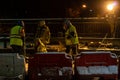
(15, 37)
(73, 39)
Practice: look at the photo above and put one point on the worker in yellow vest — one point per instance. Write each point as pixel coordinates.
(42, 37)
(17, 35)
(71, 38)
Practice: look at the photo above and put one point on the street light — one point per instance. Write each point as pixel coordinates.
(111, 17)
(110, 7)
(84, 6)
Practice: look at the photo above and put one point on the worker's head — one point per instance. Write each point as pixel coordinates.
(67, 23)
(41, 23)
(20, 23)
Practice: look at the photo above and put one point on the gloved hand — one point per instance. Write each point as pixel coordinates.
(23, 38)
(68, 37)
(72, 34)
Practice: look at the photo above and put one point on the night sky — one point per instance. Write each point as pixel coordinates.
(49, 8)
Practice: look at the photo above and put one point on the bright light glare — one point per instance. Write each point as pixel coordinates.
(84, 6)
(110, 7)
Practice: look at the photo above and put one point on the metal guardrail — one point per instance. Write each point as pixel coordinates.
(84, 36)
(114, 41)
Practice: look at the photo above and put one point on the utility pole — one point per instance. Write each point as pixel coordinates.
(112, 18)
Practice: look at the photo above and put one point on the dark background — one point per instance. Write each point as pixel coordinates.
(51, 8)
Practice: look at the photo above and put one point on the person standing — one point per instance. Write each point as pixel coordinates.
(71, 38)
(17, 35)
(42, 37)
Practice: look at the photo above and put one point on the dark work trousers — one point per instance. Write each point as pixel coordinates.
(18, 49)
(74, 48)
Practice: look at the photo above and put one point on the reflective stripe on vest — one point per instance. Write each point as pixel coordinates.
(15, 38)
